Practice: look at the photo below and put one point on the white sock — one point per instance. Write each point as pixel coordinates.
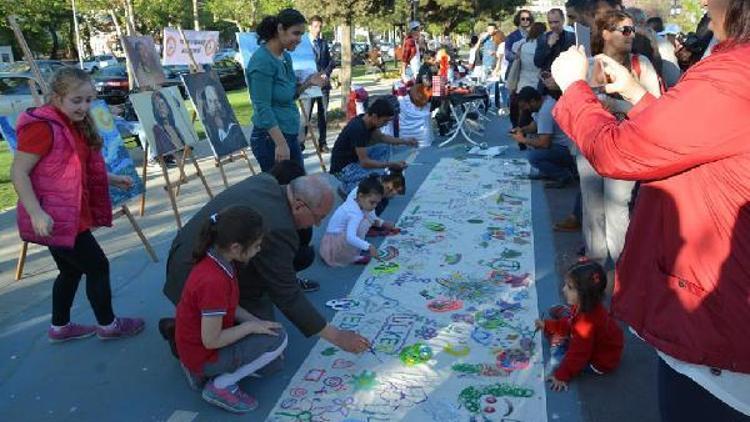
(57, 328)
(230, 378)
(110, 326)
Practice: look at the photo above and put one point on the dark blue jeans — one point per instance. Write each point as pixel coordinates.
(264, 149)
(681, 399)
(555, 162)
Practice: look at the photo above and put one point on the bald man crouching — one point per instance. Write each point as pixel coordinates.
(269, 279)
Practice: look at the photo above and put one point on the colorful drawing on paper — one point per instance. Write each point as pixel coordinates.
(449, 310)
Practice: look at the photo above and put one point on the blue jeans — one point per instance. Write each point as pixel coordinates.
(352, 174)
(555, 162)
(264, 149)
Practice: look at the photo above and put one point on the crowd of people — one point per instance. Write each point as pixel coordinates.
(650, 124)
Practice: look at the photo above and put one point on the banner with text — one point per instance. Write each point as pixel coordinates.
(204, 44)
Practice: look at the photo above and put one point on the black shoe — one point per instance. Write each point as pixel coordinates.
(324, 149)
(308, 286)
(166, 329)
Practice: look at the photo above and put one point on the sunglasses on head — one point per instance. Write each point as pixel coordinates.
(626, 30)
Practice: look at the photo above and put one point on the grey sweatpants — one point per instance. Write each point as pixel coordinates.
(605, 212)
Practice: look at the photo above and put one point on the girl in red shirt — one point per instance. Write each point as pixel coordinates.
(588, 337)
(62, 184)
(215, 336)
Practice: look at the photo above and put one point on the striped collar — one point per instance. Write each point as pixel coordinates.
(221, 262)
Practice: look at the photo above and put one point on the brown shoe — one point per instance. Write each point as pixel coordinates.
(569, 224)
(167, 331)
(324, 149)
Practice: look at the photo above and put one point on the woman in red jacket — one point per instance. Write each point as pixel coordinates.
(683, 279)
(589, 337)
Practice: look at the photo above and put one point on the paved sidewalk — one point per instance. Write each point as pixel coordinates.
(138, 380)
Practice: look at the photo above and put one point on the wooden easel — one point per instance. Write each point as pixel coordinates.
(218, 161)
(124, 210)
(310, 132)
(172, 188)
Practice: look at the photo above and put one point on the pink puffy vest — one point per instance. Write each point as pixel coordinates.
(56, 180)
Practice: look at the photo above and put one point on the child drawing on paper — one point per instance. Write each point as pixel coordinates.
(167, 137)
(584, 336)
(343, 242)
(215, 336)
(394, 184)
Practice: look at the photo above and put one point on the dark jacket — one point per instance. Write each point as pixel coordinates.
(270, 275)
(545, 55)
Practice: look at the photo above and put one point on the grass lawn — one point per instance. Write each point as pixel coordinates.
(7, 194)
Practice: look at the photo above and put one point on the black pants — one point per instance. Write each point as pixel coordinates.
(682, 400)
(321, 103)
(305, 254)
(86, 257)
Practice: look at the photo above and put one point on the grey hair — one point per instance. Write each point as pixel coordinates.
(311, 189)
(638, 15)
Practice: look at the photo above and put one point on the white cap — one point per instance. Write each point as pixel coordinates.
(670, 29)
(414, 25)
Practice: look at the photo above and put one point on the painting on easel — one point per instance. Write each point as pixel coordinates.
(164, 119)
(145, 61)
(8, 116)
(209, 98)
(116, 156)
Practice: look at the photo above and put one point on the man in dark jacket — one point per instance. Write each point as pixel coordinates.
(269, 279)
(553, 42)
(324, 64)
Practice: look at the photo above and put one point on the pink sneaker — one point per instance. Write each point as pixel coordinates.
(70, 332)
(231, 398)
(123, 327)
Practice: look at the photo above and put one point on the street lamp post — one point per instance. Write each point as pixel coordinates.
(79, 44)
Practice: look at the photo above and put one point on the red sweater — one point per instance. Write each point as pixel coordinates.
(595, 338)
(683, 278)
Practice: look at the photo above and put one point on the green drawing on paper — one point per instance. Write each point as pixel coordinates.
(470, 396)
(452, 259)
(483, 369)
(436, 227)
(457, 351)
(365, 380)
(415, 354)
(385, 268)
(415, 210)
(329, 351)
(510, 254)
(475, 221)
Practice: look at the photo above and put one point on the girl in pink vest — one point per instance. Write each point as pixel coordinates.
(62, 185)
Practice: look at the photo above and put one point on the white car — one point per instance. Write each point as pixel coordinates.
(92, 64)
(227, 53)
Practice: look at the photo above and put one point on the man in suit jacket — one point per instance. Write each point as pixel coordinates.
(553, 42)
(270, 279)
(324, 64)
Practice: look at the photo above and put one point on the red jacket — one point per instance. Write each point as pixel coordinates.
(683, 279)
(595, 338)
(58, 185)
(410, 49)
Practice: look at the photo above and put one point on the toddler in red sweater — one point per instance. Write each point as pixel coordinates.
(588, 336)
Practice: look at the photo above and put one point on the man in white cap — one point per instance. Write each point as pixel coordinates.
(411, 58)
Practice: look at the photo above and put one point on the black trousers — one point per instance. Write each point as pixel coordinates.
(305, 254)
(321, 103)
(682, 400)
(86, 257)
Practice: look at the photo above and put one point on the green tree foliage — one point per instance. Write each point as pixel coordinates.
(245, 14)
(452, 13)
(46, 24)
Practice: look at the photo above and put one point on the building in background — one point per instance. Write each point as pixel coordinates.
(6, 54)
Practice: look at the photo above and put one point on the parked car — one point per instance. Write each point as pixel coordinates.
(112, 84)
(46, 67)
(92, 64)
(226, 53)
(15, 91)
(230, 74)
(359, 52)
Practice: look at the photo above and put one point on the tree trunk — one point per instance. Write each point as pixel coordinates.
(196, 23)
(346, 62)
(55, 42)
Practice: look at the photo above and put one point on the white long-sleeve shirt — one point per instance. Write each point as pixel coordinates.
(348, 217)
